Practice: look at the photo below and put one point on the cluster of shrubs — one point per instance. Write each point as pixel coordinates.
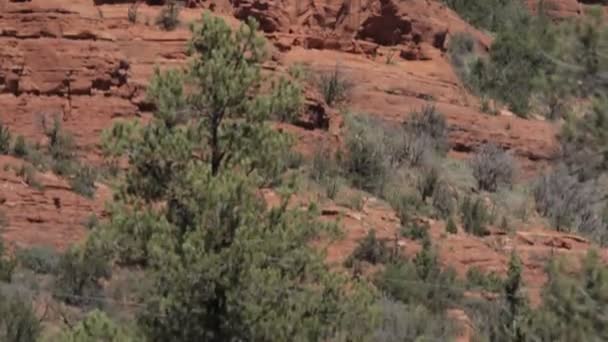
(572, 205)
(375, 149)
(376, 154)
(59, 155)
(546, 63)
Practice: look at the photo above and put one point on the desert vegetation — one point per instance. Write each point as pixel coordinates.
(190, 249)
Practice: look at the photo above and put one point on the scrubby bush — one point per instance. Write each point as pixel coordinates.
(450, 226)
(366, 162)
(509, 74)
(97, 326)
(375, 150)
(168, 18)
(28, 173)
(5, 139)
(91, 221)
(401, 322)
(492, 167)
(132, 12)
(585, 143)
(332, 187)
(475, 216)
(461, 49)
(415, 230)
(18, 321)
(505, 318)
(421, 281)
(570, 205)
(414, 142)
(334, 86)
(444, 199)
(491, 15)
(40, 259)
(7, 263)
(574, 305)
(324, 164)
(78, 273)
(371, 250)
(61, 146)
(83, 181)
(20, 148)
(461, 44)
(427, 182)
(407, 206)
(477, 279)
(428, 121)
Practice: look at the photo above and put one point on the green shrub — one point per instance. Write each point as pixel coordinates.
(18, 321)
(421, 281)
(475, 216)
(584, 141)
(20, 148)
(63, 167)
(415, 230)
(323, 164)
(91, 222)
(476, 279)
(461, 44)
(334, 86)
(492, 167)
(332, 187)
(40, 259)
(132, 12)
(451, 226)
(461, 50)
(28, 173)
(492, 15)
(401, 322)
(571, 205)
(407, 206)
(444, 199)
(515, 63)
(7, 263)
(356, 201)
(83, 181)
(168, 17)
(61, 146)
(78, 273)
(428, 121)
(427, 182)
(573, 305)
(97, 326)
(5, 139)
(366, 162)
(371, 250)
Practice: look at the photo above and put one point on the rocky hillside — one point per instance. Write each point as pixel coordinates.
(89, 63)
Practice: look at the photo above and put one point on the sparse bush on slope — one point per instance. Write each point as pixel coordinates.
(492, 167)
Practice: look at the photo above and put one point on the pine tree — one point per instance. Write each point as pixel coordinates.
(225, 266)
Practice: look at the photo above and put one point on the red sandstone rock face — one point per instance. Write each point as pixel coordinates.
(356, 25)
